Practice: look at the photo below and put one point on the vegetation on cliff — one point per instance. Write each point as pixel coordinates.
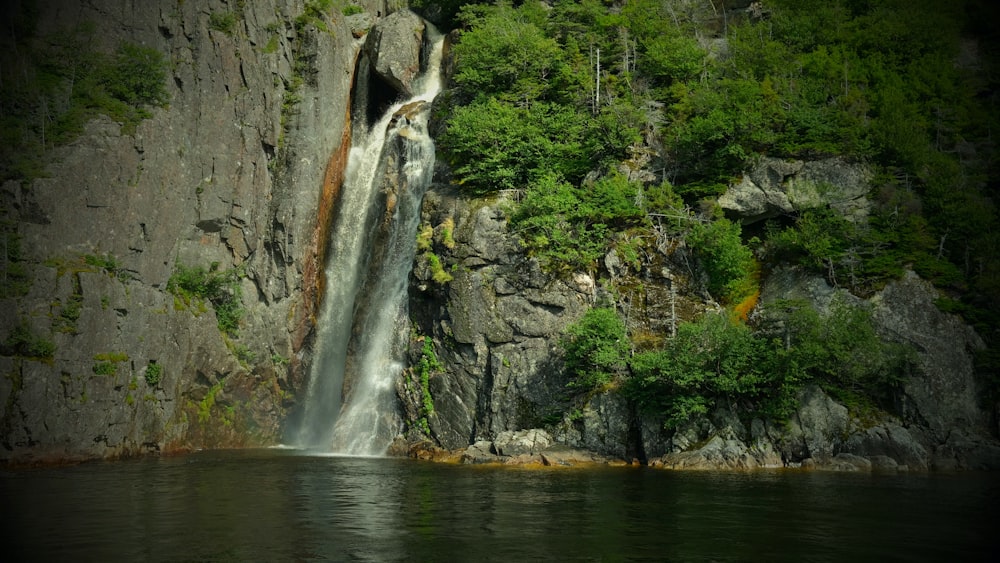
(616, 123)
(50, 88)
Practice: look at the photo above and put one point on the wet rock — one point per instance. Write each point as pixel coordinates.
(393, 46)
(847, 463)
(718, 453)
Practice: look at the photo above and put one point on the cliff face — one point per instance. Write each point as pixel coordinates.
(240, 172)
(495, 330)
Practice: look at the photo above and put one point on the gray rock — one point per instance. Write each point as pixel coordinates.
(481, 451)
(605, 425)
(776, 187)
(941, 393)
(752, 203)
(890, 441)
(393, 47)
(718, 453)
(845, 463)
(521, 442)
(202, 181)
(816, 429)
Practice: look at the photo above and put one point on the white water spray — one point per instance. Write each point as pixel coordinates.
(366, 421)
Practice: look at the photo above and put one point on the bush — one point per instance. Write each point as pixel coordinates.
(24, 343)
(709, 359)
(732, 270)
(596, 349)
(221, 289)
(223, 21)
(571, 228)
(154, 372)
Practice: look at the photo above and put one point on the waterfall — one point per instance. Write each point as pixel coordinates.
(367, 419)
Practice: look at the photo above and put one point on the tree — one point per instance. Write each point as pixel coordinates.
(596, 348)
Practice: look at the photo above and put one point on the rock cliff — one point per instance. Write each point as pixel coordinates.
(496, 319)
(239, 173)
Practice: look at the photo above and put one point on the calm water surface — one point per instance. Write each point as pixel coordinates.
(278, 505)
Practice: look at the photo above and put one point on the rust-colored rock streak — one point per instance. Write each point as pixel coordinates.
(313, 279)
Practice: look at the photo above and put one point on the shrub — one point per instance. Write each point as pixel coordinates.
(24, 343)
(596, 349)
(221, 289)
(730, 265)
(154, 372)
(223, 21)
(709, 359)
(351, 9)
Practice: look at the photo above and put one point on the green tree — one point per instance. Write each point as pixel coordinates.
(596, 348)
(730, 265)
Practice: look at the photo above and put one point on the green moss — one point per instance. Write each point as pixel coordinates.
(205, 405)
(438, 273)
(107, 363)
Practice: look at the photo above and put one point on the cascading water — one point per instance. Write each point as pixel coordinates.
(367, 420)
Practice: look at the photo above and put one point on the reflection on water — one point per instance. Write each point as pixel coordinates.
(276, 505)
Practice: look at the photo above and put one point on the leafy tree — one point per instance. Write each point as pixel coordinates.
(596, 348)
(494, 145)
(709, 359)
(731, 268)
(506, 55)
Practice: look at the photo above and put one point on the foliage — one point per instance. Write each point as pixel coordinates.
(596, 348)
(438, 273)
(351, 9)
(14, 278)
(154, 372)
(709, 360)
(842, 350)
(428, 364)
(315, 13)
(24, 343)
(50, 89)
(223, 21)
(568, 227)
(220, 288)
(732, 270)
(106, 363)
(716, 359)
(494, 145)
(108, 263)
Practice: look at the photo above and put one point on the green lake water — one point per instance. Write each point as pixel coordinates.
(280, 505)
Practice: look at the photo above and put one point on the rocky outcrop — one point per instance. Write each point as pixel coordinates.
(495, 324)
(776, 187)
(495, 320)
(942, 393)
(394, 47)
(238, 173)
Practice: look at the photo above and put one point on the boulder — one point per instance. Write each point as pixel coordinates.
(815, 430)
(941, 393)
(774, 187)
(515, 443)
(393, 46)
(718, 453)
(888, 441)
